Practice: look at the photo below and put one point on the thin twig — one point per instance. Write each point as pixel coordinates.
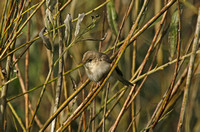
(122, 23)
(64, 104)
(23, 87)
(17, 117)
(37, 37)
(190, 71)
(20, 29)
(166, 99)
(112, 129)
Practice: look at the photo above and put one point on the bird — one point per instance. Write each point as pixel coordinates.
(98, 64)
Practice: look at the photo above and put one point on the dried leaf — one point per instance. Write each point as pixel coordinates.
(68, 29)
(173, 32)
(73, 83)
(48, 19)
(78, 24)
(50, 4)
(45, 39)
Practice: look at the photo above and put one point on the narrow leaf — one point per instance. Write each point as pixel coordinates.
(78, 24)
(50, 4)
(48, 19)
(45, 39)
(68, 29)
(173, 32)
(112, 16)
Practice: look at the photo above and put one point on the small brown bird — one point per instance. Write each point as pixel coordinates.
(97, 66)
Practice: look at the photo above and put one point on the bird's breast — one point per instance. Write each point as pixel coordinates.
(96, 70)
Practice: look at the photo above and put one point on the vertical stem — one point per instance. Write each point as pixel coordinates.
(23, 87)
(66, 96)
(133, 108)
(122, 23)
(60, 69)
(27, 74)
(166, 99)
(105, 108)
(4, 95)
(3, 101)
(3, 18)
(122, 48)
(102, 31)
(160, 52)
(190, 71)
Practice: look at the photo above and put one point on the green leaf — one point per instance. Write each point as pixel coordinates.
(173, 33)
(112, 16)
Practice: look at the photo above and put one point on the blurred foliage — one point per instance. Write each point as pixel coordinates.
(88, 34)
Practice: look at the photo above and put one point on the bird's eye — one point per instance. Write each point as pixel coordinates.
(89, 60)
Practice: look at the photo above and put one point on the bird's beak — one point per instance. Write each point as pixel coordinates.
(82, 62)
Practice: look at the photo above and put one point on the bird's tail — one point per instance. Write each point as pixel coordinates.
(121, 79)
